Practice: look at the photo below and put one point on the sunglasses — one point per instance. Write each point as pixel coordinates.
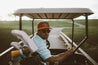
(44, 31)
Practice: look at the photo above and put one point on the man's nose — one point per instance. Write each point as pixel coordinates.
(46, 33)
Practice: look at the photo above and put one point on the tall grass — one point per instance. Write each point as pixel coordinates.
(91, 45)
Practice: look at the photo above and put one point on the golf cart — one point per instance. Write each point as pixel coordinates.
(61, 13)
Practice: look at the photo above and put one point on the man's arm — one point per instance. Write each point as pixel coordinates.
(60, 57)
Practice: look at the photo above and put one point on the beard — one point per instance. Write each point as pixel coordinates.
(45, 37)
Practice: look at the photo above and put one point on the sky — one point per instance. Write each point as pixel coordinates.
(8, 7)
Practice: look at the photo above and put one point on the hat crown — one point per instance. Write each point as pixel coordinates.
(43, 25)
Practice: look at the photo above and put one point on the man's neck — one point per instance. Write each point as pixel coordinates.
(41, 37)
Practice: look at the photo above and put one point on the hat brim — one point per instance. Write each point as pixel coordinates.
(44, 28)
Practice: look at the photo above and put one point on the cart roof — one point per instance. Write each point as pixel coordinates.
(53, 13)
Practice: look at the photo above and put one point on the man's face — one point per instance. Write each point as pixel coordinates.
(44, 33)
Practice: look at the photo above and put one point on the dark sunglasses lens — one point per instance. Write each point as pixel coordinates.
(44, 31)
(48, 31)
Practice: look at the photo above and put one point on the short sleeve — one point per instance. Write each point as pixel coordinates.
(42, 49)
(44, 53)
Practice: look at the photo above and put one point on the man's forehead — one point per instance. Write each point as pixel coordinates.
(45, 29)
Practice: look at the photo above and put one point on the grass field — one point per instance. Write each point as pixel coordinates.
(90, 46)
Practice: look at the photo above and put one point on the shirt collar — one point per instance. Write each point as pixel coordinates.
(39, 37)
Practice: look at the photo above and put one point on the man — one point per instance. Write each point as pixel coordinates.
(40, 38)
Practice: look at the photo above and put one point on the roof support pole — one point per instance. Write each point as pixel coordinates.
(20, 22)
(72, 32)
(33, 27)
(86, 18)
(86, 33)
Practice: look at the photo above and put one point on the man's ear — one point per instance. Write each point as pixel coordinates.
(38, 32)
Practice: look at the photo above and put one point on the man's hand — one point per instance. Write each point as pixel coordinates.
(70, 51)
(16, 45)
